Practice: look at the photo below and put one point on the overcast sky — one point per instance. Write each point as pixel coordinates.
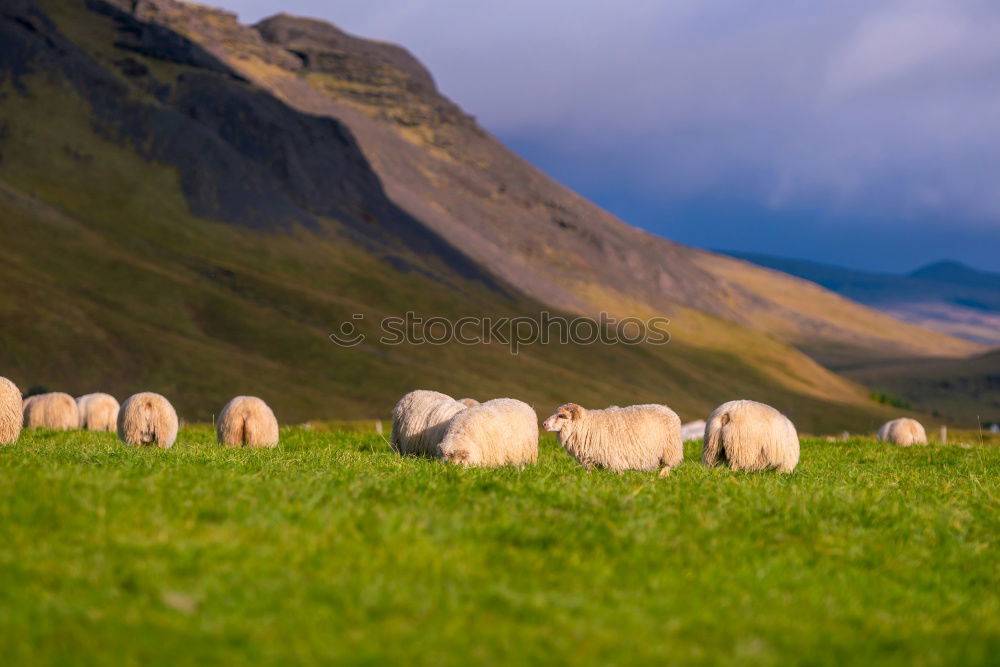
(859, 133)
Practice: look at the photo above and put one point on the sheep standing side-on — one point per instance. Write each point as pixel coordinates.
(98, 412)
(419, 421)
(637, 437)
(468, 402)
(147, 419)
(11, 416)
(500, 432)
(748, 435)
(54, 410)
(903, 432)
(247, 421)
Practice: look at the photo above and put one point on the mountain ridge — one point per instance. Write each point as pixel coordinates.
(947, 296)
(158, 283)
(446, 186)
(956, 272)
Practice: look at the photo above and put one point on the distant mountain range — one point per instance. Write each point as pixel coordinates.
(947, 296)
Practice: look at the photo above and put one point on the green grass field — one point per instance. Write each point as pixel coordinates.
(331, 548)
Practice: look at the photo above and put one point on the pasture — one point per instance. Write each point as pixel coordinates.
(330, 548)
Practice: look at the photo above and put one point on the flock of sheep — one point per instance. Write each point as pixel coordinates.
(745, 435)
(143, 419)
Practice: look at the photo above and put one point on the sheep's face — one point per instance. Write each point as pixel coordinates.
(563, 417)
(460, 454)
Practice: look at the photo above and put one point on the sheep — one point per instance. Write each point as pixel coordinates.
(750, 436)
(147, 419)
(419, 422)
(98, 412)
(503, 431)
(468, 402)
(54, 410)
(11, 415)
(693, 430)
(637, 437)
(247, 421)
(903, 432)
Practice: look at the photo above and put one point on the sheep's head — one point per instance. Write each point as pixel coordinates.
(468, 402)
(459, 454)
(564, 415)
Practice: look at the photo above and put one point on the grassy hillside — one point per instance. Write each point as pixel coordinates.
(332, 549)
(114, 284)
(954, 390)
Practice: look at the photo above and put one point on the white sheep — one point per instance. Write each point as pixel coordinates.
(468, 402)
(748, 435)
(500, 432)
(147, 419)
(247, 421)
(638, 437)
(903, 432)
(11, 416)
(54, 410)
(98, 412)
(420, 420)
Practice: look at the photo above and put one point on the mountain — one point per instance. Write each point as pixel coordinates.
(957, 273)
(192, 205)
(945, 296)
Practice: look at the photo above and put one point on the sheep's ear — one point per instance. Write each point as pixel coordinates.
(575, 411)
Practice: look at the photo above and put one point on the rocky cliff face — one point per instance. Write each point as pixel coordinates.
(241, 155)
(440, 166)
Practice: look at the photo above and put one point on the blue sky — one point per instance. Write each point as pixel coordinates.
(859, 133)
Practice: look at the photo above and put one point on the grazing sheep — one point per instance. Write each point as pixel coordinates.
(419, 421)
(693, 430)
(54, 410)
(638, 437)
(11, 416)
(903, 432)
(147, 419)
(750, 436)
(468, 402)
(247, 421)
(98, 412)
(501, 432)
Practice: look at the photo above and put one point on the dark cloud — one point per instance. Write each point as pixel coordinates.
(871, 122)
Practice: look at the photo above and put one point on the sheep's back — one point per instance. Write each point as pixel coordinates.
(247, 421)
(903, 432)
(54, 410)
(420, 420)
(11, 416)
(503, 430)
(147, 418)
(756, 436)
(98, 412)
